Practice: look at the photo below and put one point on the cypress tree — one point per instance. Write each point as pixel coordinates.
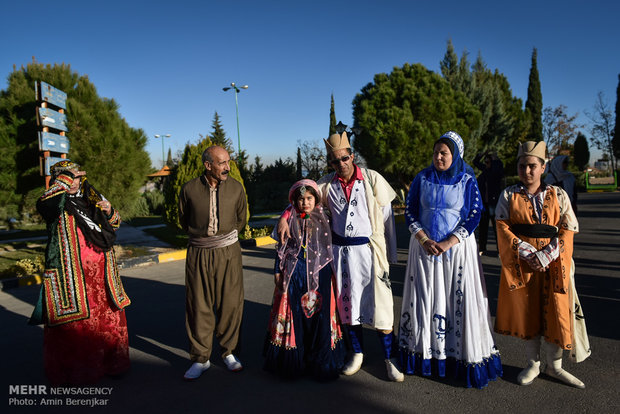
(534, 104)
(332, 119)
(298, 171)
(169, 160)
(218, 136)
(581, 152)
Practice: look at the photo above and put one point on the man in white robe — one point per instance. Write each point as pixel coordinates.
(364, 244)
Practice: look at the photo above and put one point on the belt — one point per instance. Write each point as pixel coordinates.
(539, 231)
(349, 241)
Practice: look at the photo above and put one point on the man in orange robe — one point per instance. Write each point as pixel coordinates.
(535, 229)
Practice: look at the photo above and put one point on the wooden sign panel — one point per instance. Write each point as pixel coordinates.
(47, 93)
(53, 142)
(49, 161)
(50, 118)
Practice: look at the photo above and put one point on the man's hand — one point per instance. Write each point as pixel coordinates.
(534, 263)
(277, 279)
(283, 230)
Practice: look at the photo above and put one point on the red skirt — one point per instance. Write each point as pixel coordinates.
(82, 352)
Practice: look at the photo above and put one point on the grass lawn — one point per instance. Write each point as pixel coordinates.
(169, 234)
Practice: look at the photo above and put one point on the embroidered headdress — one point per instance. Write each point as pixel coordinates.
(64, 165)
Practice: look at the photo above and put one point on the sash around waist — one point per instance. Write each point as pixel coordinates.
(214, 242)
(348, 241)
(539, 231)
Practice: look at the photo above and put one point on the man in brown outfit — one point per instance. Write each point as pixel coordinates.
(212, 210)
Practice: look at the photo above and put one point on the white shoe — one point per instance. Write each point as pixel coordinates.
(529, 374)
(393, 373)
(232, 363)
(196, 370)
(354, 364)
(565, 376)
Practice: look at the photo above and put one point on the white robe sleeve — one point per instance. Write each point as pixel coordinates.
(390, 233)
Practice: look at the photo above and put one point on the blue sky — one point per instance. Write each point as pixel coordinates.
(166, 62)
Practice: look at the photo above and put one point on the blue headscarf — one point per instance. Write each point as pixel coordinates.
(439, 225)
(458, 167)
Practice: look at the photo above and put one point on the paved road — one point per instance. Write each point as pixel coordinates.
(159, 357)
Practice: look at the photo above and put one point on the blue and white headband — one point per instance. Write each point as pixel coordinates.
(456, 138)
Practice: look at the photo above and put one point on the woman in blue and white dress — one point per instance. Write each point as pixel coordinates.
(445, 312)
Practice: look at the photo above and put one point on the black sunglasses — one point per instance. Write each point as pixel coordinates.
(341, 159)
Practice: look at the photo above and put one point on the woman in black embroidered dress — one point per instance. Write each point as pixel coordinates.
(82, 298)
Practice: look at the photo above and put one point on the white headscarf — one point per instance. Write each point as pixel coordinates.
(559, 176)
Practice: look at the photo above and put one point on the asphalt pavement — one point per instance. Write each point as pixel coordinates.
(159, 347)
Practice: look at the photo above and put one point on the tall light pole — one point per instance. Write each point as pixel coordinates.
(236, 89)
(163, 160)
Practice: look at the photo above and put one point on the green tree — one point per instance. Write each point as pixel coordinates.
(169, 160)
(242, 164)
(456, 71)
(190, 166)
(268, 189)
(256, 170)
(534, 102)
(581, 152)
(110, 151)
(218, 136)
(401, 116)
(299, 170)
(332, 118)
(490, 92)
(449, 65)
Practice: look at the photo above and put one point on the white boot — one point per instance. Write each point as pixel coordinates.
(532, 353)
(354, 364)
(393, 373)
(554, 367)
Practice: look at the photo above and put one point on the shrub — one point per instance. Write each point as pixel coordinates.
(155, 201)
(141, 208)
(27, 267)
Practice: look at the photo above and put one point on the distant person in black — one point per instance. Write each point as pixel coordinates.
(491, 184)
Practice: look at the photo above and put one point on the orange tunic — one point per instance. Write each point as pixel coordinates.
(535, 303)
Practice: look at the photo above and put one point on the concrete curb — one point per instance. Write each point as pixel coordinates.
(132, 262)
(257, 242)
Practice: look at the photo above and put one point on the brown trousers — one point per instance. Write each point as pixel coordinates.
(213, 299)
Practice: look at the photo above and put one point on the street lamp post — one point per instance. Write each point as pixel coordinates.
(163, 160)
(236, 89)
